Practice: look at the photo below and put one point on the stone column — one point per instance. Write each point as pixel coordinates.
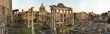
(63, 15)
(53, 20)
(51, 24)
(72, 14)
(28, 21)
(66, 15)
(2, 30)
(59, 16)
(54, 17)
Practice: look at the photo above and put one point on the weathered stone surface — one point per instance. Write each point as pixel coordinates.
(5, 11)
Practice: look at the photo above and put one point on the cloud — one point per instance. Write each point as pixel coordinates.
(98, 6)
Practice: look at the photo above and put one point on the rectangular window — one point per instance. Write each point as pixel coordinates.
(3, 10)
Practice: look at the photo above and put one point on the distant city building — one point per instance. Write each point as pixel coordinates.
(83, 16)
(41, 16)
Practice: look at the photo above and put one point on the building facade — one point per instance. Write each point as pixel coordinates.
(5, 15)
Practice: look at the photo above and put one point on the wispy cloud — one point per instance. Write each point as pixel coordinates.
(98, 6)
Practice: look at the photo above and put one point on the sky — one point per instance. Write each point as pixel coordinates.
(97, 6)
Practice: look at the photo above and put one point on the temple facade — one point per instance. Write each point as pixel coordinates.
(61, 14)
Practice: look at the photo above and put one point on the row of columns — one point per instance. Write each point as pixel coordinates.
(68, 13)
(3, 30)
(56, 11)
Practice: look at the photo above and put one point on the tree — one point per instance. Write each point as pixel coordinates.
(20, 31)
(45, 27)
(100, 27)
(104, 14)
(16, 10)
(108, 20)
